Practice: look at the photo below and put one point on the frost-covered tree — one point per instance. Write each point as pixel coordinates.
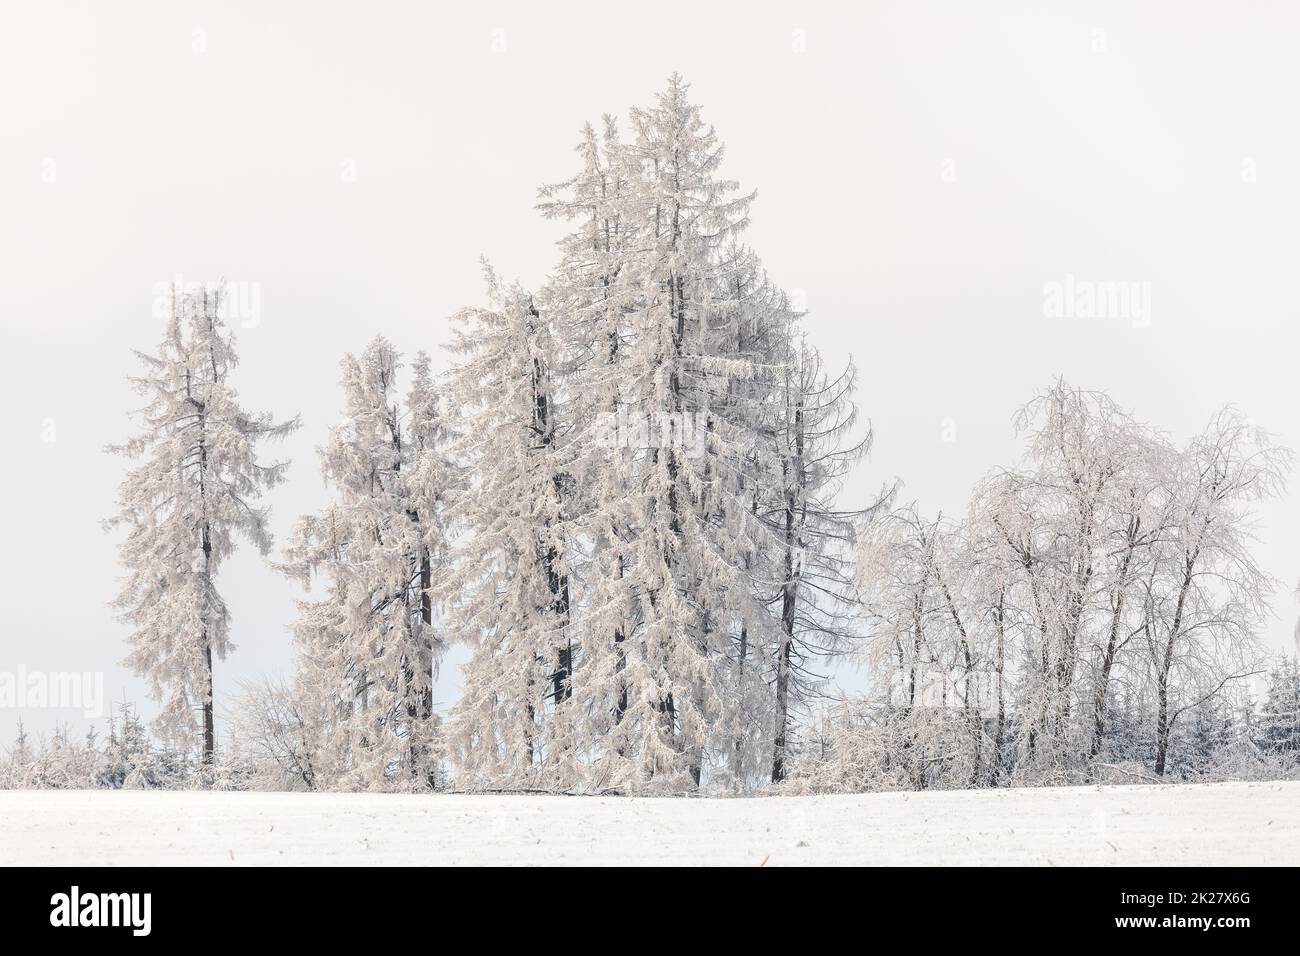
(1278, 727)
(278, 729)
(196, 486)
(1081, 450)
(517, 723)
(757, 326)
(369, 646)
(17, 761)
(685, 576)
(815, 451)
(590, 302)
(1208, 736)
(1132, 523)
(1207, 594)
(645, 301)
(930, 643)
(1059, 548)
(63, 763)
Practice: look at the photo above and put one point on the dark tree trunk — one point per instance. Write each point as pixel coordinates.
(209, 726)
(209, 722)
(788, 598)
(999, 733)
(1103, 679)
(1163, 720)
(562, 678)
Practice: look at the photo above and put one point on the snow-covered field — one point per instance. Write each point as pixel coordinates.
(1239, 823)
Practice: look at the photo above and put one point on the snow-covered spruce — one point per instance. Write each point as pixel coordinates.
(369, 646)
(517, 723)
(673, 362)
(197, 485)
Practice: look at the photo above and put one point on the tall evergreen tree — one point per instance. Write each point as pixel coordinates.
(1278, 728)
(517, 720)
(816, 450)
(369, 646)
(197, 485)
(672, 354)
(679, 578)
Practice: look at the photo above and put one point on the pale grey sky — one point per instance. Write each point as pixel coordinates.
(923, 169)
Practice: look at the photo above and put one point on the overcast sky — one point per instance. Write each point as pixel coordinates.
(923, 170)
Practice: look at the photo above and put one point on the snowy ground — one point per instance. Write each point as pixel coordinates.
(1214, 824)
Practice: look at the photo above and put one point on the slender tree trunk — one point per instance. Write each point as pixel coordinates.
(1107, 664)
(999, 733)
(1065, 664)
(421, 710)
(557, 582)
(783, 652)
(529, 734)
(782, 709)
(620, 665)
(1162, 724)
(209, 722)
(738, 746)
(974, 720)
(562, 677)
(209, 726)
(1043, 705)
(796, 484)
(426, 615)
(1163, 720)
